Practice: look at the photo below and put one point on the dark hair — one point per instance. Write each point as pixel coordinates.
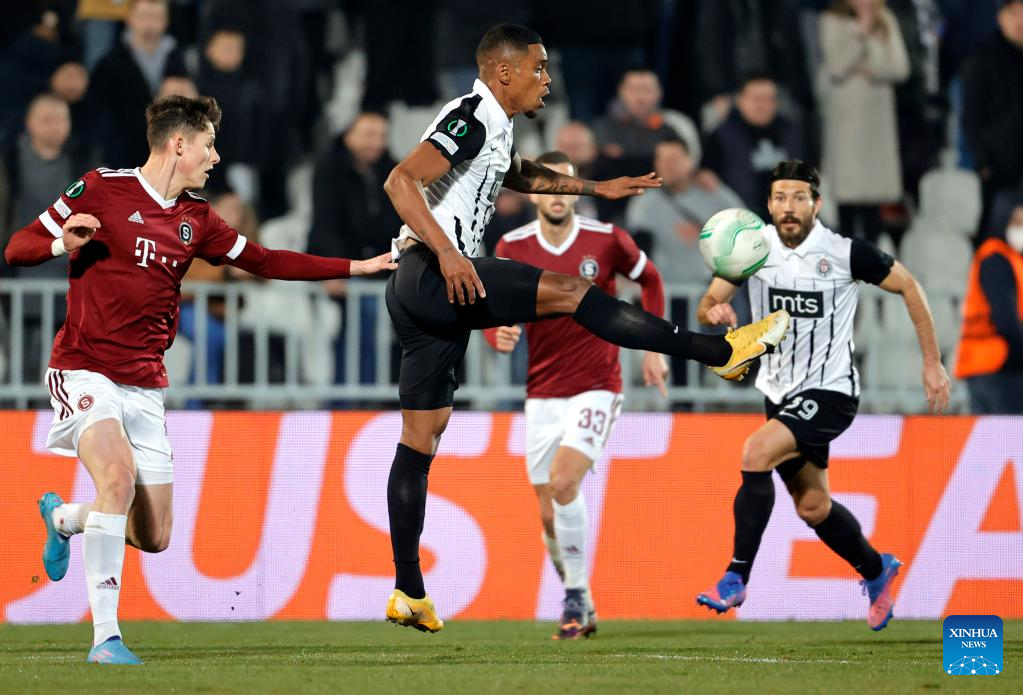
(797, 170)
(675, 140)
(554, 157)
(171, 113)
(513, 36)
(755, 76)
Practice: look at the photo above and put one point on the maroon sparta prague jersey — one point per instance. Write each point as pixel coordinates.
(124, 284)
(564, 358)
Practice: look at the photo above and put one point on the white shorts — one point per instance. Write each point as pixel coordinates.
(582, 422)
(81, 398)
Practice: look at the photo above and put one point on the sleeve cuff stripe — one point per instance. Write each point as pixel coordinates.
(640, 265)
(239, 246)
(51, 226)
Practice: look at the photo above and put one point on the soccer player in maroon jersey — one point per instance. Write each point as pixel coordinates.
(574, 385)
(131, 235)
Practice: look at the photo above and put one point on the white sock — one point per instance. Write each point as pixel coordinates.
(554, 551)
(103, 550)
(570, 526)
(70, 518)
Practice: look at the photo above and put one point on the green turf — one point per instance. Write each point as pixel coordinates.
(485, 657)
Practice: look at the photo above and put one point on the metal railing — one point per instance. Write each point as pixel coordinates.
(279, 339)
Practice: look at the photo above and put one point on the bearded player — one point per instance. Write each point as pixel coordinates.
(811, 387)
(131, 235)
(574, 385)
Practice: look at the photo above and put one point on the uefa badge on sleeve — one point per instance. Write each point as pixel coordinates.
(972, 645)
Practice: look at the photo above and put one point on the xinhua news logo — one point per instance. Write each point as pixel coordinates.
(972, 645)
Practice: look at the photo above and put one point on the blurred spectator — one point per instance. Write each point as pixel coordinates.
(33, 172)
(242, 218)
(595, 52)
(463, 24)
(737, 37)
(630, 131)
(744, 149)
(990, 355)
(992, 116)
(576, 140)
(967, 24)
(71, 83)
(672, 217)
(179, 85)
(674, 214)
(242, 140)
(128, 78)
(99, 22)
(864, 57)
(921, 105)
(36, 169)
(27, 60)
(353, 218)
(276, 55)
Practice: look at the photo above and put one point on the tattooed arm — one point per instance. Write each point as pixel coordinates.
(526, 176)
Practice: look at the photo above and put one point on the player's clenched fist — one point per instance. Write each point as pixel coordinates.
(507, 337)
(78, 230)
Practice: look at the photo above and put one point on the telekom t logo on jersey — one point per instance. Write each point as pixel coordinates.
(145, 251)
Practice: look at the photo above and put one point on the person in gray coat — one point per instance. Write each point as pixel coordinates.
(864, 58)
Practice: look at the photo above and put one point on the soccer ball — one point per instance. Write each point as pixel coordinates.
(733, 244)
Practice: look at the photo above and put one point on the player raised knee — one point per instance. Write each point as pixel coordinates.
(560, 294)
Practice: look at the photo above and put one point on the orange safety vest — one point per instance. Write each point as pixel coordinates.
(981, 349)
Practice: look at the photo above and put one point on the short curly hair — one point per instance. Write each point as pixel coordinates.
(176, 113)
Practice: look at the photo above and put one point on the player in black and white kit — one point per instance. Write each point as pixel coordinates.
(444, 191)
(811, 387)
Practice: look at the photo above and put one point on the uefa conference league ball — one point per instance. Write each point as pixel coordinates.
(733, 244)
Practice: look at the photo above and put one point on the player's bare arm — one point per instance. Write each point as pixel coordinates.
(404, 187)
(936, 383)
(526, 176)
(714, 308)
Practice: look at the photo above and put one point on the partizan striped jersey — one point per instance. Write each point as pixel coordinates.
(817, 284)
(475, 135)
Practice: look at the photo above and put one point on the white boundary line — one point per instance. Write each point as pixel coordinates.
(731, 659)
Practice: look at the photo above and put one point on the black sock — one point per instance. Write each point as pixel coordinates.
(406, 509)
(752, 510)
(841, 532)
(623, 324)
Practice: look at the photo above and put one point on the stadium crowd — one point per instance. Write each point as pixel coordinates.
(913, 109)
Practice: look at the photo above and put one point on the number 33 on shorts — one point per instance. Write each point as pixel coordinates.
(805, 408)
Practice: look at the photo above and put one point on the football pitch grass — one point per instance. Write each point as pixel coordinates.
(487, 657)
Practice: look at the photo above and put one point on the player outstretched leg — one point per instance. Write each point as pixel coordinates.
(625, 325)
(62, 520)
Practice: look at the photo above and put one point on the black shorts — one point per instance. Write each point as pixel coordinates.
(434, 333)
(815, 417)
